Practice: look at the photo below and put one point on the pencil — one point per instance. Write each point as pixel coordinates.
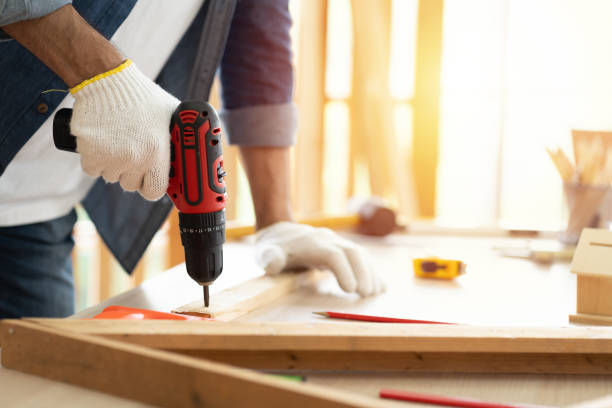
(379, 319)
(444, 401)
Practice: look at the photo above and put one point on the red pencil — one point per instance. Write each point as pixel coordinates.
(445, 401)
(380, 319)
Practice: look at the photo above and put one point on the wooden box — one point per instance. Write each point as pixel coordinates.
(592, 264)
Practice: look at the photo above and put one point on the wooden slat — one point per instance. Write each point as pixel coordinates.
(106, 268)
(154, 376)
(176, 252)
(425, 140)
(363, 346)
(251, 295)
(238, 230)
(347, 336)
(533, 363)
(310, 98)
(371, 106)
(585, 318)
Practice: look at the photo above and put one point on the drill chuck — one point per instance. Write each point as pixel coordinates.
(203, 236)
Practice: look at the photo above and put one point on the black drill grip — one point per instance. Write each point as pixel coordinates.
(62, 137)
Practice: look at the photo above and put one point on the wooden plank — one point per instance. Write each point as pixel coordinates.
(105, 268)
(524, 363)
(176, 252)
(154, 376)
(248, 296)
(236, 230)
(345, 336)
(310, 97)
(371, 105)
(363, 346)
(585, 318)
(426, 120)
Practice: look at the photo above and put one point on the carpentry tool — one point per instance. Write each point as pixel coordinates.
(438, 268)
(196, 186)
(371, 218)
(376, 319)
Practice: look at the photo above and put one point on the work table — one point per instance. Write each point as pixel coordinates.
(495, 291)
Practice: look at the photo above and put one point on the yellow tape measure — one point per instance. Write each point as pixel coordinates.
(437, 268)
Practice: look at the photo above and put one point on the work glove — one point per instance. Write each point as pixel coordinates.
(121, 121)
(288, 245)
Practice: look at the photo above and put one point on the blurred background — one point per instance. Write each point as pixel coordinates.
(441, 107)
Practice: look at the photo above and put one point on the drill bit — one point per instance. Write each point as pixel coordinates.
(206, 295)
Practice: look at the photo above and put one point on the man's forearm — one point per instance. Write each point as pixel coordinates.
(268, 170)
(67, 44)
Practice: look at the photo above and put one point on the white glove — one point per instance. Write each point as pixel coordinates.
(288, 245)
(122, 123)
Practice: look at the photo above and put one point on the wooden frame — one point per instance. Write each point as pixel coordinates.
(593, 266)
(365, 346)
(154, 376)
(196, 363)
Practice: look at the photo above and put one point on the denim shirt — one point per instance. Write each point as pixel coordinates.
(256, 75)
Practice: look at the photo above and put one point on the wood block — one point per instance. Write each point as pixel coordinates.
(251, 295)
(591, 319)
(594, 295)
(368, 346)
(153, 376)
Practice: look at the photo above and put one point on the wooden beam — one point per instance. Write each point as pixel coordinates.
(426, 120)
(363, 346)
(310, 98)
(596, 319)
(236, 230)
(153, 376)
(251, 295)
(106, 269)
(371, 105)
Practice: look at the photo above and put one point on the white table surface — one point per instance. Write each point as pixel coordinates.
(495, 291)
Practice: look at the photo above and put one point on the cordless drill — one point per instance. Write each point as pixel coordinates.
(196, 185)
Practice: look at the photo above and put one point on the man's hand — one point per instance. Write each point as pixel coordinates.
(287, 245)
(122, 122)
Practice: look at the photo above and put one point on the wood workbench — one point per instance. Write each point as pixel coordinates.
(496, 291)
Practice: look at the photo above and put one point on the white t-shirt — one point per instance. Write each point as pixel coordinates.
(42, 183)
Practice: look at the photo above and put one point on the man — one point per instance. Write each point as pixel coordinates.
(121, 120)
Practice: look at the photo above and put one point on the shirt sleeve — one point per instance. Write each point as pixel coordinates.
(257, 75)
(12, 11)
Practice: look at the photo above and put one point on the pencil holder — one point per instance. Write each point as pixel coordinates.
(589, 206)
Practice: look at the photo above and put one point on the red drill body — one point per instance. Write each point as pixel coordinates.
(196, 177)
(197, 188)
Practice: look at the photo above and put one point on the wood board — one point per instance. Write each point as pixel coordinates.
(585, 318)
(251, 295)
(368, 346)
(154, 376)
